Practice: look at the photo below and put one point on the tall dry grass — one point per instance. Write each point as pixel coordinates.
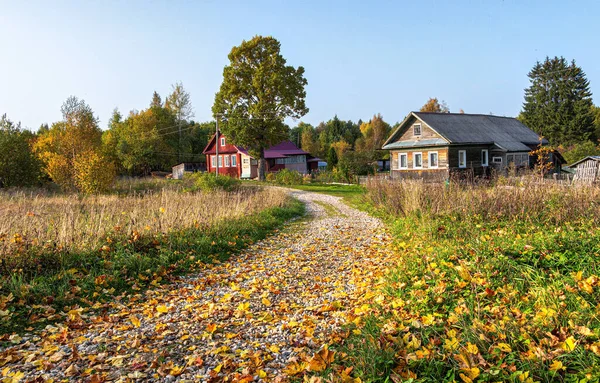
(75, 223)
(522, 199)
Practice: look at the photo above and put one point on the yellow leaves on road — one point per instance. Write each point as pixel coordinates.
(321, 360)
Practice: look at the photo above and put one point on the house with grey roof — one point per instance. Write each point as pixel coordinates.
(436, 145)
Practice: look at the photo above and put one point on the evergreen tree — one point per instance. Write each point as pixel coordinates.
(156, 101)
(558, 103)
(332, 158)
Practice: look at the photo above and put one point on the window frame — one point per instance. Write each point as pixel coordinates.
(415, 162)
(220, 161)
(495, 158)
(400, 155)
(234, 160)
(462, 153)
(487, 157)
(226, 161)
(213, 161)
(222, 141)
(420, 130)
(437, 160)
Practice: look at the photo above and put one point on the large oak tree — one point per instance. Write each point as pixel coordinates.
(259, 91)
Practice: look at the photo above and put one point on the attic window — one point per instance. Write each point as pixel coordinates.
(416, 129)
(222, 141)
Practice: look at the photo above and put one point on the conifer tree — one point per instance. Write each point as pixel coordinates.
(558, 103)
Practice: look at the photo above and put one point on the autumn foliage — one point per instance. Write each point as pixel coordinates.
(71, 150)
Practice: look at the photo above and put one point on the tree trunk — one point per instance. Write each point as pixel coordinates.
(262, 166)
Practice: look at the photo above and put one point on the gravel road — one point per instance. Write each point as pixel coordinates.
(250, 318)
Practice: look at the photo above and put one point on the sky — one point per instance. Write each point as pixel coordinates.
(361, 57)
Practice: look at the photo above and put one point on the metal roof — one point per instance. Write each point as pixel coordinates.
(460, 128)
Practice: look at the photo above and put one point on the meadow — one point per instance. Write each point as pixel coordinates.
(62, 251)
(492, 283)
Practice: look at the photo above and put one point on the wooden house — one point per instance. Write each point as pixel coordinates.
(436, 145)
(236, 162)
(587, 170)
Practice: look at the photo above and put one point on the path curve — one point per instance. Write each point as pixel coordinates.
(271, 306)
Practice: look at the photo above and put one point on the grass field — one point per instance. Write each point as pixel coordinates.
(492, 284)
(58, 252)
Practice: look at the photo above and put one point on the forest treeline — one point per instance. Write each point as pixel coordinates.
(77, 154)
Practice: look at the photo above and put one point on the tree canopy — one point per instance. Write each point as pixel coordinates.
(18, 164)
(258, 92)
(71, 150)
(558, 102)
(435, 106)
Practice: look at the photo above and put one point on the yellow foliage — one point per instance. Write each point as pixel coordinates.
(93, 173)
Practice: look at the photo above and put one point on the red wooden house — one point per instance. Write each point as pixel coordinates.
(236, 162)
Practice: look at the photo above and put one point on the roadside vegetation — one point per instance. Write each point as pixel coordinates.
(491, 284)
(61, 252)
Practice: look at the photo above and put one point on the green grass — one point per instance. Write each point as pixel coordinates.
(509, 298)
(85, 279)
(353, 195)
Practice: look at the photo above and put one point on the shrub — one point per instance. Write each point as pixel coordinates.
(211, 181)
(288, 177)
(93, 172)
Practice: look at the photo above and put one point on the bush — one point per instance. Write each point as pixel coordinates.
(93, 172)
(211, 181)
(335, 175)
(288, 177)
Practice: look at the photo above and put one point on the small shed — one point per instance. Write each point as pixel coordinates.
(192, 167)
(587, 170)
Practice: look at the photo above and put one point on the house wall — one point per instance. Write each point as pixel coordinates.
(232, 171)
(426, 171)
(426, 132)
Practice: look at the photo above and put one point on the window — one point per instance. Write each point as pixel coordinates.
(417, 160)
(403, 161)
(222, 141)
(462, 158)
(233, 160)
(484, 157)
(433, 160)
(227, 161)
(213, 160)
(220, 161)
(497, 160)
(416, 129)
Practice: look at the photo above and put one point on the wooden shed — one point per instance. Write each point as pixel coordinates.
(587, 170)
(180, 169)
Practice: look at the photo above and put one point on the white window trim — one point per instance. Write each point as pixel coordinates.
(420, 129)
(222, 141)
(400, 155)
(463, 152)
(213, 161)
(415, 162)
(220, 161)
(497, 158)
(487, 158)
(226, 161)
(429, 160)
(233, 160)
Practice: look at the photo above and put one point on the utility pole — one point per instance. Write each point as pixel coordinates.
(217, 143)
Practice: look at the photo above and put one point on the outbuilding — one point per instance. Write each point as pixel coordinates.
(587, 170)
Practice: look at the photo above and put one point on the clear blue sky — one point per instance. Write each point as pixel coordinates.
(361, 57)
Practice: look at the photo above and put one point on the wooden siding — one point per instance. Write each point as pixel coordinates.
(426, 132)
(587, 172)
(442, 158)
